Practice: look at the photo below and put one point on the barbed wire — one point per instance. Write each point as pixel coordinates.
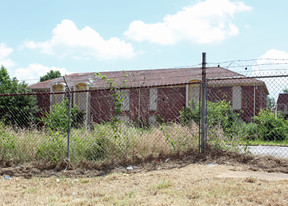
(247, 60)
(245, 68)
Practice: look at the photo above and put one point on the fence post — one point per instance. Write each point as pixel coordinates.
(203, 104)
(69, 120)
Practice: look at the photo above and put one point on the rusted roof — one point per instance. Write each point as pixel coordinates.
(282, 99)
(146, 78)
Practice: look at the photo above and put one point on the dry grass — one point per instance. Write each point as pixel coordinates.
(190, 185)
(101, 144)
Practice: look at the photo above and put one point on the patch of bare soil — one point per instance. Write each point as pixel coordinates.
(135, 165)
(255, 175)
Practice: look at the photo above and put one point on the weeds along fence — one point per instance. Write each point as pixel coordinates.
(96, 125)
(249, 114)
(126, 123)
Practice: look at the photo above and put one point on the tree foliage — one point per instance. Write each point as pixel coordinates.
(270, 102)
(50, 75)
(18, 110)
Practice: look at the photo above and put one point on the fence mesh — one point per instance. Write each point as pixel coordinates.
(245, 115)
(248, 114)
(105, 125)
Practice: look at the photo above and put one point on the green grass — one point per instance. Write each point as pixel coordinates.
(163, 184)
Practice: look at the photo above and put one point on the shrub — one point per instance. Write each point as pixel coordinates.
(271, 127)
(249, 131)
(57, 118)
(187, 114)
(218, 113)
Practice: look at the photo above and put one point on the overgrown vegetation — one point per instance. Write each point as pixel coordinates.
(271, 128)
(98, 144)
(219, 113)
(57, 118)
(220, 116)
(111, 142)
(17, 111)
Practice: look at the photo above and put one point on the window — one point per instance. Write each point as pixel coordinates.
(192, 93)
(57, 98)
(124, 97)
(153, 99)
(195, 93)
(81, 98)
(236, 97)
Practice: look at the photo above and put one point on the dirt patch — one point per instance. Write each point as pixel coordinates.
(255, 175)
(194, 184)
(135, 165)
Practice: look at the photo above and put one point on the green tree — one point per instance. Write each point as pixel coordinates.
(16, 110)
(50, 75)
(270, 102)
(285, 90)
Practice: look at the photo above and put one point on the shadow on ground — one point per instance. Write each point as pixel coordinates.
(135, 164)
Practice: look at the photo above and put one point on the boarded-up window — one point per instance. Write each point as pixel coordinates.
(236, 97)
(153, 99)
(195, 93)
(124, 97)
(57, 98)
(80, 98)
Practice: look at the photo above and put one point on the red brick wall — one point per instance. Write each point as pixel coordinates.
(101, 106)
(247, 99)
(170, 102)
(139, 105)
(43, 101)
(219, 93)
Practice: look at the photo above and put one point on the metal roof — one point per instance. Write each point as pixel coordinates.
(149, 78)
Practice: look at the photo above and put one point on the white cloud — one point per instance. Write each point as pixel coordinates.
(4, 56)
(68, 40)
(32, 73)
(205, 22)
(273, 63)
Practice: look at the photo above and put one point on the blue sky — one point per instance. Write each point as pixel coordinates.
(94, 36)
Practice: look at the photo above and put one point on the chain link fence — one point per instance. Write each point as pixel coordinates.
(249, 114)
(97, 125)
(243, 114)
